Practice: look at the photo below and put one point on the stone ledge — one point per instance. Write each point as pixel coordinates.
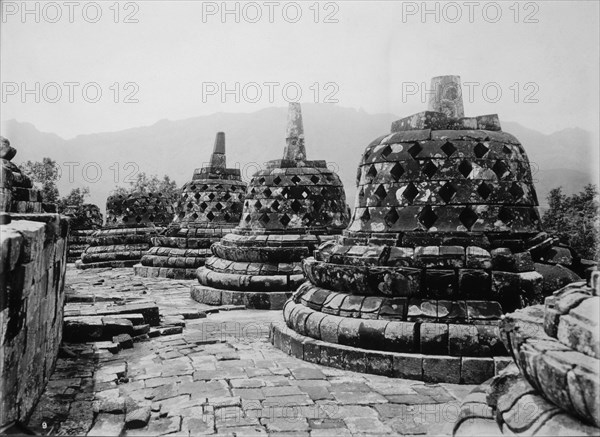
(104, 264)
(164, 272)
(249, 283)
(477, 340)
(432, 368)
(254, 300)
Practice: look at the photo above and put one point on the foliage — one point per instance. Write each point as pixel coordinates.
(574, 219)
(150, 184)
(44, 176)
(75, 199)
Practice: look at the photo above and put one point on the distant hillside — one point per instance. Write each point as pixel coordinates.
(333, 133)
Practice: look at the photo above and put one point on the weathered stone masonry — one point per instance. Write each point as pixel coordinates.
(289, 209)
(444, 239)
(32, 275)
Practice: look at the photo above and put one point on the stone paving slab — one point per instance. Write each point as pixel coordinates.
(221, 376)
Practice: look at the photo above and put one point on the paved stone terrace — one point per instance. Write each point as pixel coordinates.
(221, 376)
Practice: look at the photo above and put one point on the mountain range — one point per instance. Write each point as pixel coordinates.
(566, 158)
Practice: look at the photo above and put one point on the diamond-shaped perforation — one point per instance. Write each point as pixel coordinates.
(414, 150)
(261, 180)
(195, 216)
(265, 218)
(397, 171)
(203, 206)
(387, 150)
(227, 216)
(429, 169)
(516, 191)
(391, 217)
(410, 192)
(484, 190)
(307, 219)
(501, 169)
(447, 192)
(258, 204)
(210, 216)
(380, 192)
(275, 205)
(372, 172)
(285, 193)
(197, 196)
(295, 179)
(285, 220)
(226, 196)
(211, 196)
(448, 148)
(427, 217)
(480, 150)
(296, 206)
(247, 218)
(218, 207)
(465, 168)
(468, 217)
(365, 217)
(277, 180)
(506, 150)
(314, 179)
(305, 193)
(506, 215)
(267, 192)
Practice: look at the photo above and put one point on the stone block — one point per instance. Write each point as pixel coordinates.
(476, 370)
(434, 338)
(441, 369)
(477, 258)
(409, 366)
(440, 284)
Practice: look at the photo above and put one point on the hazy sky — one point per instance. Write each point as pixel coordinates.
(375, 57)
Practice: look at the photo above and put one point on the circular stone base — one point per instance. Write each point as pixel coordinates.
(273, 300)
(104, 264)
(164, 272)
(429, 368)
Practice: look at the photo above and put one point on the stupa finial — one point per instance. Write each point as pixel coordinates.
(218, 158)
(294, 138)
(446, 96)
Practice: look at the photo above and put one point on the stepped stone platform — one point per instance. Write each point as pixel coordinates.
(209, 207)
(445, 238)
(131, 221)
(555, 373)
(84, 220)
(220, 376)
(289, 209)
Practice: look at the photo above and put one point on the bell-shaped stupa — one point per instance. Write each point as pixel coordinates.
(442, 242)
(131, 221)
(84, 220)
(209, 207)
(290, 208)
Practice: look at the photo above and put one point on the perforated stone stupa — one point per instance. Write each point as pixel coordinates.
(131, 221)
(209, 207)
(442, 242)
(84, 221)
(290, 208)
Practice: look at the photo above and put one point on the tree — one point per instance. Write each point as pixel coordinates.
(150, 184)
(44, 176)
(574, 219)
(74, 199)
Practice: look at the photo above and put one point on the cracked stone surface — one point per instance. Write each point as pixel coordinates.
(221, 376)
